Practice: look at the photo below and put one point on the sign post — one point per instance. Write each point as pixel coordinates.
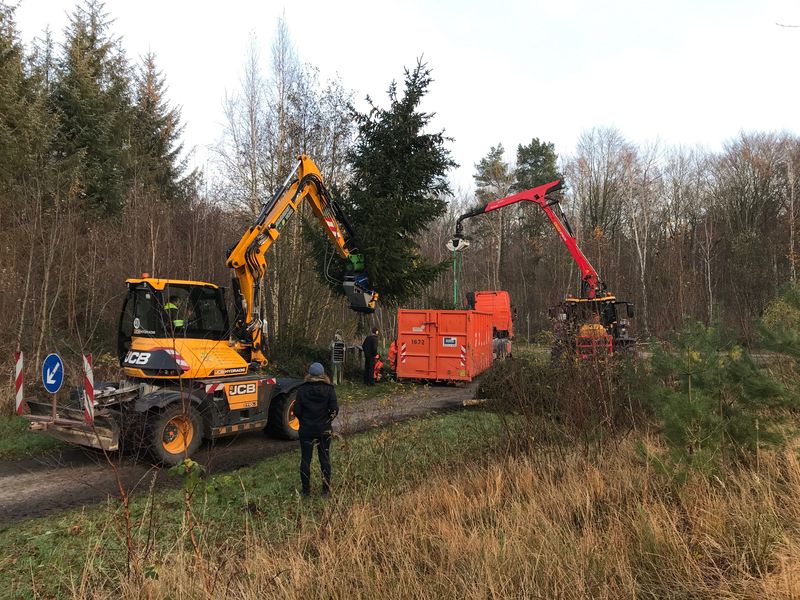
(52, 373)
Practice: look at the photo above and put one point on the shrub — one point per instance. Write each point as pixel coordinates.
(589, 399)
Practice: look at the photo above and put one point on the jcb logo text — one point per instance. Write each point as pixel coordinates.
(137, 358)
(242, 388)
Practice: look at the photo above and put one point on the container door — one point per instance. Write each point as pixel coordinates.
(414, 343)
(451, 345)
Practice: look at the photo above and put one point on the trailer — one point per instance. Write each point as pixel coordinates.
(443, 345)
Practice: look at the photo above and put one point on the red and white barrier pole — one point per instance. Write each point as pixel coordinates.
(18, 406)
(88, 385)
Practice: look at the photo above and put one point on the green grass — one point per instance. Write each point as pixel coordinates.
(17, 442)
(261, 499)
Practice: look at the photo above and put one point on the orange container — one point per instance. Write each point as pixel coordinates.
(498, 303)
(443, 345)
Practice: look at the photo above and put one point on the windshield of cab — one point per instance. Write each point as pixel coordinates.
(177, 311)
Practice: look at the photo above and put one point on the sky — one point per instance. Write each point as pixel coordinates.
(681, 72)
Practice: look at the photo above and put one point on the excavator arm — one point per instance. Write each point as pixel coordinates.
(248, 257)
(591, 284)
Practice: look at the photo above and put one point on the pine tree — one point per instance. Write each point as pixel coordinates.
(537, 164)
(92, 100)
(713, 401)
(398, 188)
(494, 178)
(493, 175)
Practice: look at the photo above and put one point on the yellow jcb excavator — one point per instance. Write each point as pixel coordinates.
(191, 373)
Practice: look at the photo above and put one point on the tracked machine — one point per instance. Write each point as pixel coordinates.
(592, 325)
(191, 371)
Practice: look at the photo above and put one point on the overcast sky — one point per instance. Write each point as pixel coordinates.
(683, 71)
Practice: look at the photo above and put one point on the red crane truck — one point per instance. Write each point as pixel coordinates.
(579, 322)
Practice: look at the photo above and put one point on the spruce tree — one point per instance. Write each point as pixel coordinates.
(155, 137)
(398, 188)
(21, 111)
(92, 100)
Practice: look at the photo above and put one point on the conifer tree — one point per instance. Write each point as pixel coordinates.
(537, 164)
(398, 187)
(156, 146)
(713, 401)
(92, 100)
(21, 110)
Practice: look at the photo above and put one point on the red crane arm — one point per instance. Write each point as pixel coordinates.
(592, 286)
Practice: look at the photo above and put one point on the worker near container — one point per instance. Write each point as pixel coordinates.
(315, 407)
(393, 356)
(378, 368)
(370, 348)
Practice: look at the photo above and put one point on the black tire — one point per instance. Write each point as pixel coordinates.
(282, 422)
(164, 433)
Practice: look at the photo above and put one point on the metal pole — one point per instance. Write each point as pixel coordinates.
(455, 280)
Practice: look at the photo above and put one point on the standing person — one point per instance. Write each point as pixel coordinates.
(315, 407)
(370, 348)
(393, 356)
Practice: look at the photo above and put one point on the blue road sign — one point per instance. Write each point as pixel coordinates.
(52, 373)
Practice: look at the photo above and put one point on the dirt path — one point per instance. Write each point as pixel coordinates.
(76, 476)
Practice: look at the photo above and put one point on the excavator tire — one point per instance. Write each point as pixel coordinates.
(175, 433)
(282, 422)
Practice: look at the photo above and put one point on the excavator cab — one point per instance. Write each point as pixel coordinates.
(173, 328)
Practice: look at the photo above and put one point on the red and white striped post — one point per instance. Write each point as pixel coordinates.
(88, 385)
(18, 406)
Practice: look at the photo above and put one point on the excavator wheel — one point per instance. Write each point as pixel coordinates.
(175, 433)
(282, 422)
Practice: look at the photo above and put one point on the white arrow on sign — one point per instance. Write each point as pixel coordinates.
(51, 375)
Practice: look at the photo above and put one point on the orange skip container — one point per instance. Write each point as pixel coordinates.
(443, 345)
(498, 303)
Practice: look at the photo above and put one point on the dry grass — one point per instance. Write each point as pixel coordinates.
(7, 392)
(546, 526)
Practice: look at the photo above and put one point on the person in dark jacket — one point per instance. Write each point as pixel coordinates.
(315, 407)
(370, 348)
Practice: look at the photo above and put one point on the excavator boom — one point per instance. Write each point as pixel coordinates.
(248, 257)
